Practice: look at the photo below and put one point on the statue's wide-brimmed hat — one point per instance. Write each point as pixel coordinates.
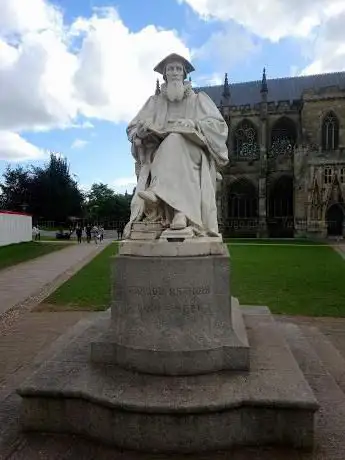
(160, 68)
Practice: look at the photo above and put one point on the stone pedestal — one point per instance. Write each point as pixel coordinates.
(146, 230)
(168, 365)
(172, 314)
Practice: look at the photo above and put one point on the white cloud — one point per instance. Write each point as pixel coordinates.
(209, 80)
(222, 47)
(123, 184)
(79, 143)
(22, 16)
(317, 24)
(272, 19)
(85, 125)
(15, 148)
(328, 47)
(52, 73)
(113, 82)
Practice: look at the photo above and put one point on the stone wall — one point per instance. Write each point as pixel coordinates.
(263, 172)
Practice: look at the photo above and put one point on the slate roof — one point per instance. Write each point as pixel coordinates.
(279, 89)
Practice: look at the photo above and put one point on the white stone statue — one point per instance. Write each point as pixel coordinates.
(179, 142)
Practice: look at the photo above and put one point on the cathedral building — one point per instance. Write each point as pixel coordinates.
(286, 175)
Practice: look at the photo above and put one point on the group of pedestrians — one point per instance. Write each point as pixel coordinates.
(36, 233)
(92, 233)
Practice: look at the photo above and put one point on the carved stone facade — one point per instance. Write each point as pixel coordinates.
(286, 175)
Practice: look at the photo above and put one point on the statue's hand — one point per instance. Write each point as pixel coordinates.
(142, 129)
(186, 123)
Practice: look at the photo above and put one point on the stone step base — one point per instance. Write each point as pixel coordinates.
(331, 360)
(270, 404)
(317, 358)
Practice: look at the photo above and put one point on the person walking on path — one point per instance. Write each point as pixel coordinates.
(79, 232)
(101, 233)
(95, 233)
(88, 233)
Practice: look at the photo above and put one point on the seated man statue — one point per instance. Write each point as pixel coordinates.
(179, 142)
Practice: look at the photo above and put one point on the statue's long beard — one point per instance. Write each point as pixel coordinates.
(175, 91)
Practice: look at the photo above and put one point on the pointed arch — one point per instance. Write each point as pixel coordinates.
(242, 208)
(243, 199)
(280, 207)
(330, 131)
(334, 193)
(245, 140)
(335, 218)
(283, 137)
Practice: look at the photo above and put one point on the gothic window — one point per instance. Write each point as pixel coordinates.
(330, 132)
(246, 140)
(342, 175)
(283, 138)
(327, 175)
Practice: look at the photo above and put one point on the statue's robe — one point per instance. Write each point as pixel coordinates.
(178, 171)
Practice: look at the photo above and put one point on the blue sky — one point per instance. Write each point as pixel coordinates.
(76, 72)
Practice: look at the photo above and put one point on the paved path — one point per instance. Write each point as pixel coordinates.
(25, 280)
(339, 248)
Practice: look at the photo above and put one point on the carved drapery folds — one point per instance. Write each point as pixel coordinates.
(330, 132)
(283, 138)
(245, 141)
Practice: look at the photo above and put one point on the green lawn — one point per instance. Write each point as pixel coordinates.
(273, 241)
(289, 279)
(89, 289)
(15, 253)
(295, 280)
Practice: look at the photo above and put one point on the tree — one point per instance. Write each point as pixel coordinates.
(56, 193)
(16, 189)
(104, 204)
(49, 192)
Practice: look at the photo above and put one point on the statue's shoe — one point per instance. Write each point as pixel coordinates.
(179, 222)
(149, 196)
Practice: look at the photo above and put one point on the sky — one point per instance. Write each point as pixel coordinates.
(74, 73)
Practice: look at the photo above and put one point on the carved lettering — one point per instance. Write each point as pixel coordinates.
(176, 291)
(185, 309)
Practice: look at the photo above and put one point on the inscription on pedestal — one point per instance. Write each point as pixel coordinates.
(185, 299)
(158, 290)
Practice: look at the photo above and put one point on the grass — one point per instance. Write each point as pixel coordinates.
(89, 289)
(15, 253)
(290, 279)
(273, 241)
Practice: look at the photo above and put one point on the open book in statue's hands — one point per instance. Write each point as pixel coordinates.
(191, 133)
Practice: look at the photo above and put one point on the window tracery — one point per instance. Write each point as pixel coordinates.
(246, 141)
(330, 132)
(327, 175)
(283, 138)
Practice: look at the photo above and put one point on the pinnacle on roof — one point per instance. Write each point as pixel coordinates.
(226, 87)
(264, 87)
